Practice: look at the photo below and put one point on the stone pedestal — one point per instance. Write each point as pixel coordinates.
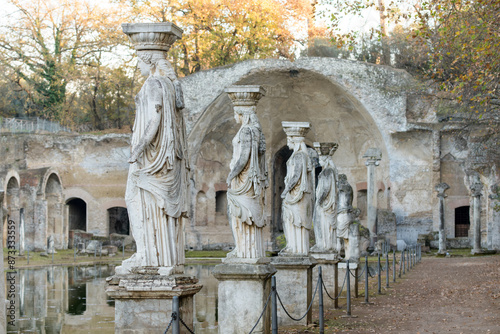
(295, 286)
(342, 267)
(328, 263)
(143, 300)
(244, 288)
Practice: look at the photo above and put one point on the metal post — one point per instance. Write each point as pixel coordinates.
(95, 252)
(175, 315)
(394, 266)
(403, 261)
(274, 306)
(379, 276)
(407, 260)
(356, 283)
(367, 274)
(336, 286)
(321, 311)
(28, 256)
(123, 251)
(348, 289)
(387, 269)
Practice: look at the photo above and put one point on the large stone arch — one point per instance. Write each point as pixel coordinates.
(294, 93)
(11, 187)
(54, 199)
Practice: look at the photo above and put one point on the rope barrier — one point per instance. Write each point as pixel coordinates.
(359, 276)
(264, 310)
(170, 323)
(310, 305)
(189, 329)
(341, 289)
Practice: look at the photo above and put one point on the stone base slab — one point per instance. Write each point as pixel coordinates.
(244, 290)
(143, 302)
(295, 286)
(328, 263)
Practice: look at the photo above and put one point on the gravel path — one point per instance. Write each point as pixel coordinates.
(439, 295)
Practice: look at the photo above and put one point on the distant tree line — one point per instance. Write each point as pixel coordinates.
(68, 60)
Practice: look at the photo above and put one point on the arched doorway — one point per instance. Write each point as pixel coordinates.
(55, 218)
(77, 214)
(462, 221)
(335, 116)
(278, 185)
(12, 206)
(118, 220)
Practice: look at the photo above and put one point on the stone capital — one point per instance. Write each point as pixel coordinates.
(476, 189)
(373, 156)
(152, 36)
(325, 149)
(441, 188)
(245, 96)
(296, 129)
(494, 192)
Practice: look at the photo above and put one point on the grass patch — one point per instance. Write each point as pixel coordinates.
(207, 253)
(62, 257)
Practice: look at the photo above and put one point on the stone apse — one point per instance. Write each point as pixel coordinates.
(66, 182)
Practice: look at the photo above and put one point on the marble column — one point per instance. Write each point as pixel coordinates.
(441, 188)
(373, 157)
(495, 216)
(476, 188)
(245, 274)
(294, 277)
(157, 193)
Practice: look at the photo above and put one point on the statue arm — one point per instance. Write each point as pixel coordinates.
(293, 176)
(156, 99)
(246, 147)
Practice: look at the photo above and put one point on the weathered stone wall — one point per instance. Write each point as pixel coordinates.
(356, 104)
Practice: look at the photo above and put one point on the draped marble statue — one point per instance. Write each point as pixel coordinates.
(345, 218)
(325, 208)
(157, 183)
(298, 196)
(248, 176)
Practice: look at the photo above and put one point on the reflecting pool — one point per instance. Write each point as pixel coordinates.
(73, 300)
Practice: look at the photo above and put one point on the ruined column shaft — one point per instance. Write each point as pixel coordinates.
(477, 223)
(371, 204)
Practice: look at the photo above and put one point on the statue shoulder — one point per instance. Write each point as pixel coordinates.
(153, 83)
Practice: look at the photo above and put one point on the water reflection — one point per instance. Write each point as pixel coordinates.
(73, 300)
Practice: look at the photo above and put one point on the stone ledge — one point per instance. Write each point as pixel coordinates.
(242, 271)
(293, 262)
(326, 258)
(137, 286)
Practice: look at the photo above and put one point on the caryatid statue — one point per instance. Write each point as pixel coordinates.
(345, 213)
(298, 196)
(325, 208)
(248, 178)
(157, 183)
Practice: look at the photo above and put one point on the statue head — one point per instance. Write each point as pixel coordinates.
(153, 62)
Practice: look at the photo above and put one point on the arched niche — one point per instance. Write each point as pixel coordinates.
(118, 220)
(77, 214)
(201, 209)
(53, 194)
(11, 207)
(335, 116)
